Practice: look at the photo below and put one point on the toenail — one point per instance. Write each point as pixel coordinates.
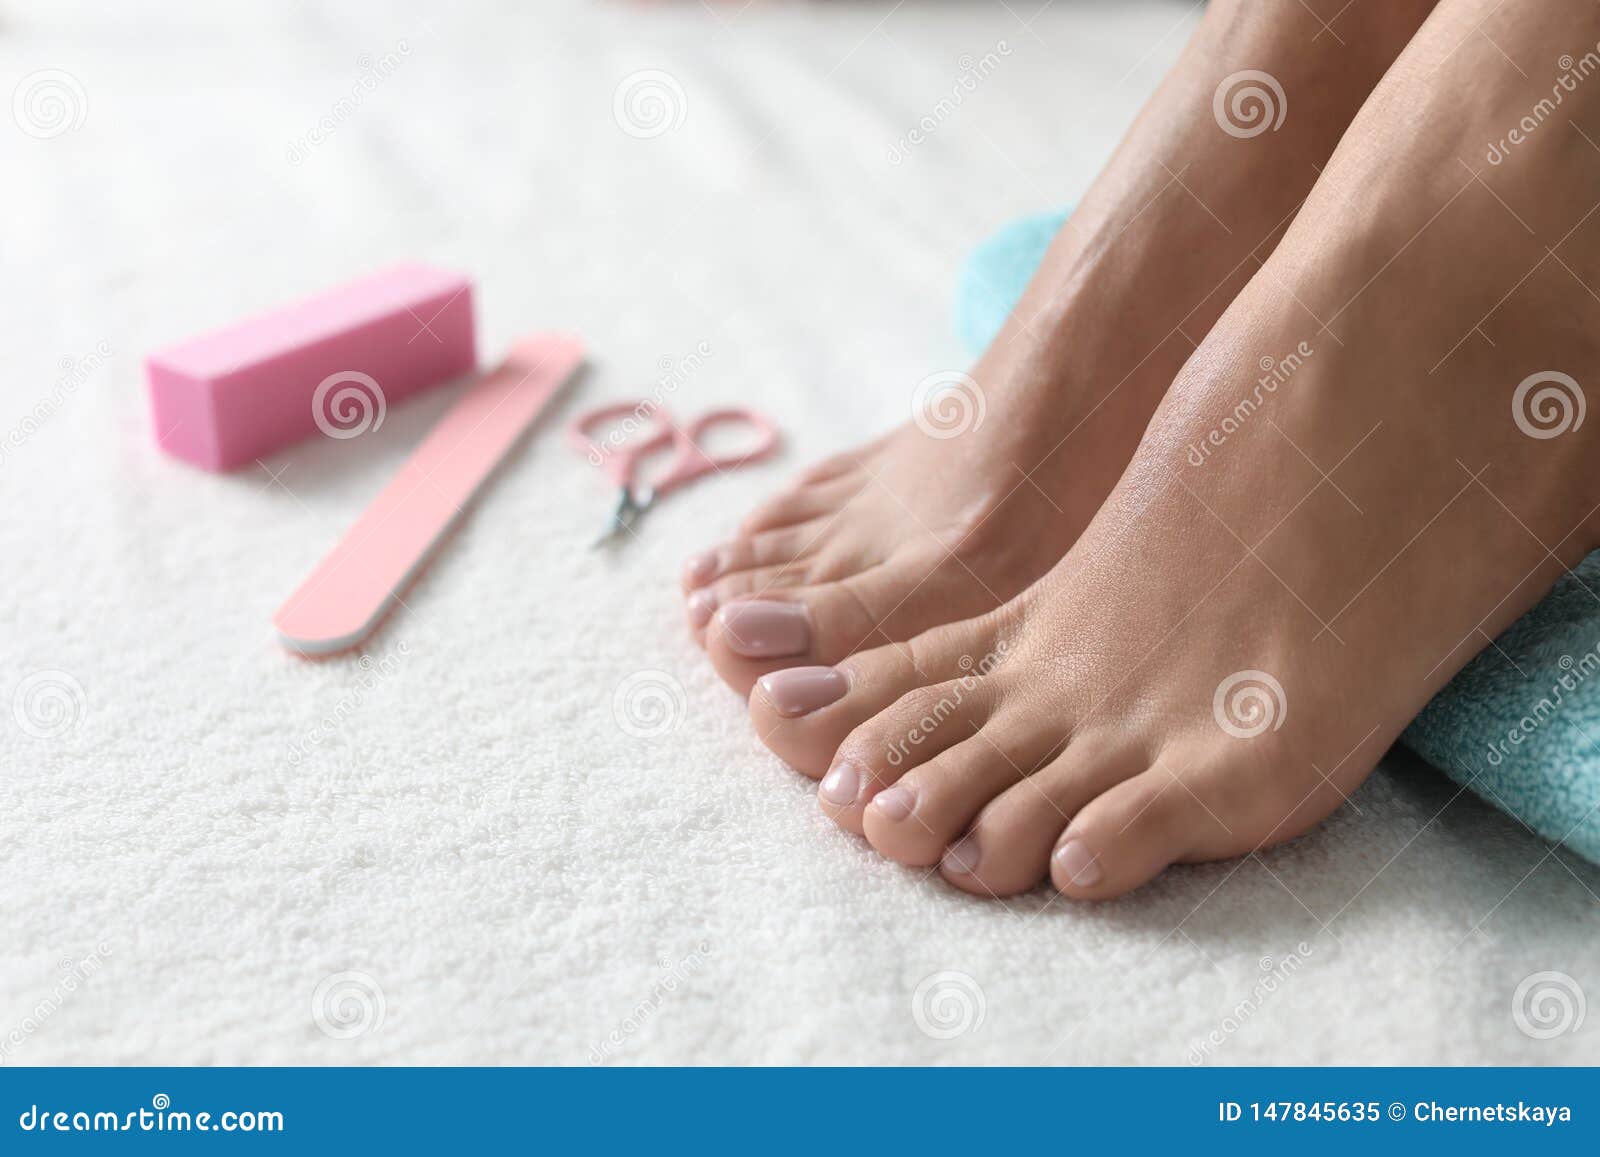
(802, 690)
(896, 803)
(1082, 868)
(762, 629)
(841, 785)
(962, 859)
(701, 606)
(701, 567)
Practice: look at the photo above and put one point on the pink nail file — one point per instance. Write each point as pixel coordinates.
(352, 588)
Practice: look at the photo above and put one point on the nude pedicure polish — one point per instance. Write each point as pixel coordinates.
(702, 605)
(765, 629)
(797, 691)
(841, 785)
(1082, 868)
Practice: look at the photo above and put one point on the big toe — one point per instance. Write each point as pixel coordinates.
(804, 713)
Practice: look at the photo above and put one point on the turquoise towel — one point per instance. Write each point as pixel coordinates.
(1525, 733)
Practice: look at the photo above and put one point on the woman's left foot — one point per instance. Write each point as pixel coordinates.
(923, 528)
(1375, 463)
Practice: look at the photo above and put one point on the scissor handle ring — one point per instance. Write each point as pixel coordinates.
(579, 434)
(766, 435)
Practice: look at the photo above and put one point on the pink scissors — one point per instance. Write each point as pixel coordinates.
(641, 429)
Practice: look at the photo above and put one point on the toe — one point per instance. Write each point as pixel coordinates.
(701, 604)
(1125, 836)
(804, 713)
(919, 727)
(926, 811)
(826, 622)
(773, 548)
(823, 500)
(1006, 849)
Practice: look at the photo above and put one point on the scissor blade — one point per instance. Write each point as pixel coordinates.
(627, 513)
(611, 534)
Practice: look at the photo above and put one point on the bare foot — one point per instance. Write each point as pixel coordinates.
(1372, 465)
(919, 528)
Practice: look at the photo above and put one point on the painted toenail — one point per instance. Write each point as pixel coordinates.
(701, 567)
(802, 690)
(761, 629)
(702, 604)
(962, 859)
(896, 803)
(1082, 869)
(841, 785)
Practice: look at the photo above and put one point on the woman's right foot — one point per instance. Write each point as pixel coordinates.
(1286, 573)
(958, 511)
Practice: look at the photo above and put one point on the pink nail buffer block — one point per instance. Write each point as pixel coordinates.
(232, 396)
(352, 588)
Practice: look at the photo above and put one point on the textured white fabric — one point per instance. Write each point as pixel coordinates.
(475, 834)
